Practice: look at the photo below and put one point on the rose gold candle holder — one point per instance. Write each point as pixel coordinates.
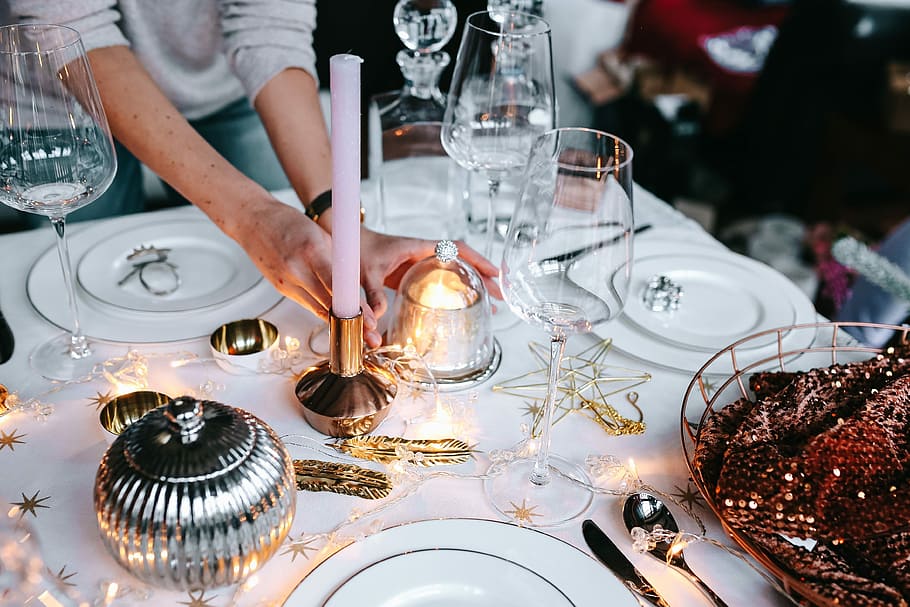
(351, 392)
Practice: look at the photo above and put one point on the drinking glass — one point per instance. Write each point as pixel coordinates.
(566, 268)
(501, 98)
(56, 154)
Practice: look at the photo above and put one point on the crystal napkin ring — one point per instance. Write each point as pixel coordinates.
(662, 294)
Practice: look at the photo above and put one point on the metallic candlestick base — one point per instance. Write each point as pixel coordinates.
(350, 393)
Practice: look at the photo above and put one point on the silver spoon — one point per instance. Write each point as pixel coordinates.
(647, 511)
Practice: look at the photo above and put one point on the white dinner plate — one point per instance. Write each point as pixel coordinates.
(104, 322)
(576, 577)
(724, 299)
(213, 269)
(751, 297)
(441, 577)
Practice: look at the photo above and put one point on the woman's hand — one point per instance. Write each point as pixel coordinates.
(384, 259)
(295, 255)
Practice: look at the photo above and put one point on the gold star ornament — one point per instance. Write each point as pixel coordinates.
(198, 599)
(299, 547)
(62, 576)
(689, 497)
(524, 513)
(10, 439)
(28, 504)
(99, 400)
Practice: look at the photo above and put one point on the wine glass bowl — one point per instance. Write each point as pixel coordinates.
(566, 268)
(501, 98)
(56, 153)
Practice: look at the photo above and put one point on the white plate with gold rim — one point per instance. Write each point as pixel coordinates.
(213, 269)
(725, 297)
(733, 296)
(103, 322)
(435, 577)
(520, 557)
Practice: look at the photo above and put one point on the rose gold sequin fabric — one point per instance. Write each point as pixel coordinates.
(822, 455)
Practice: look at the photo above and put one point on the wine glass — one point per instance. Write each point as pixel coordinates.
(56, 154)
(566, 268)
(501, 98)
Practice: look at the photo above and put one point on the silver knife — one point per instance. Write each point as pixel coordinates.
(569, 256)
(604, 549)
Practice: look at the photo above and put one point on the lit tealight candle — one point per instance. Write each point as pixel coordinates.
(442, 291)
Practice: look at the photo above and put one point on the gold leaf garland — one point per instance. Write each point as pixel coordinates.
(421, 452)
(346, 479)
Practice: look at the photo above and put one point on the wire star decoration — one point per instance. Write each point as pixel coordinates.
(299, 547)
(524, 513)
(10, 439)
(198, 599)
(62, 576)
(584, 385)
(99, 400)
(28, 504)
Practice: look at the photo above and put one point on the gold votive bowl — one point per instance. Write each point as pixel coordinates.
(121, 411)
(4, 395)
(241, 347)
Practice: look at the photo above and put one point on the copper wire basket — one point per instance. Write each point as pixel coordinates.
(714, 386)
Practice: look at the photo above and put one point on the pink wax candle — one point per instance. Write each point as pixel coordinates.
(344, 82)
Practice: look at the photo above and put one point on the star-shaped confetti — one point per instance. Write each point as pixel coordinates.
(299, 547)
(533, 409)
(28, 504)
(524, 513)
(584, 384)
(99, 400)
(62, 576)
(707, 385)
(198, 599)
(10, 439)
(689, 497)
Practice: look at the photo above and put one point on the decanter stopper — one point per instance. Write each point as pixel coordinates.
(425, 26)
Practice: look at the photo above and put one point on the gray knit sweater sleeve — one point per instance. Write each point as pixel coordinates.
(188, 46)
(95, 20)
(264, 37)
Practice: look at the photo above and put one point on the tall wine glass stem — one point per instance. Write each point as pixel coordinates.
(541, 473)
(78, 346)
(492, 192)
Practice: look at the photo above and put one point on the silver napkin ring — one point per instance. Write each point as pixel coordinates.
(157, 275)
(662, 294)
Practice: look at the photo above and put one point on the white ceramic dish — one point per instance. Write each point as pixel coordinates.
(722, 300)
(732, 296)
(212, 268)
(577, 578)
(437, 577)
(103, 322)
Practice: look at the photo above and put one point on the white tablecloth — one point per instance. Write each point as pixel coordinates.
(59, 457)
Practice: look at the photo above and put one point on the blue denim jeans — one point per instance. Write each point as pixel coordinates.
(235, 131)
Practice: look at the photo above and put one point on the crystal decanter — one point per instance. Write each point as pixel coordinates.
(419, 188)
